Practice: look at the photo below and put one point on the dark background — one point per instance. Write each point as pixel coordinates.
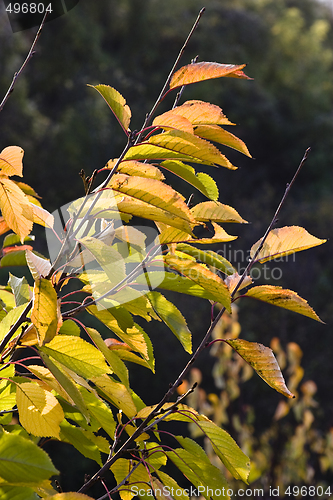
(64, 126)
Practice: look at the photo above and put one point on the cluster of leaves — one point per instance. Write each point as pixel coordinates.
(75, 387)
(291, 450)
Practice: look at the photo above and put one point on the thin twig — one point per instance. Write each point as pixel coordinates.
(165, 86)
(27, 59)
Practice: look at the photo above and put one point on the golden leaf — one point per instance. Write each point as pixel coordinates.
(197, 72)
(11, 161)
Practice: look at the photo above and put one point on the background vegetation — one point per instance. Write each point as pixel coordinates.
(287, 45)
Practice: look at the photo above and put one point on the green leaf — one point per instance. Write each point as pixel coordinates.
(100, 411)
(10, 319)
(200, 275)
(281, 297)
(20, 288)
(77, 437)
(208, 257)
(227, 450)
(69, 327)
(263, 361)
(66, 383)
(13, 239)
(192, 461)
(117, 104)
(116, 364)
(16, 258)
(181, 284)
(171, 484)
(22, 461)
(116, 393)
(77, 354)
(8, 492)
(173, 318)
(203, 182)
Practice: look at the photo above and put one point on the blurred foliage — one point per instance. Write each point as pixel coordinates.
(287, 45)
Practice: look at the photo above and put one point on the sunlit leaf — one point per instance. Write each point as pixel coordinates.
(40, 412)
(11, 161)
(77, 354)
(233, 280)
(116, 393)
(208, 257)
(39, 267)
(22, 461)
(10, 319)
(69, 496)
(263, 361)
(173, 120)
(3, 226)
(216, 211)
(121, 468)
(227, 450)
(284, 241)
(45, 316)
(200, 275)
(15, 207)
(149, 151)
(173, 318)
(154, 193)
(42, 216)
(10, 492)
(197, 72)
(218, 134)
(117, 104)
(138, 168)
(172, 485)
(193, 462)
(281, 297)
(200, 150)
(100, 411)
(201, 181)
(200, 112)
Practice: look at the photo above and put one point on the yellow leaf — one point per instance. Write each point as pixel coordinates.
(193, 146)
(45, 315)
(171, 235)
(203, 277)
(40, 412)
(121, 468)
(232, 281)
(218, 134)
(116, 393)
(216, 211)
(48, 378)
(197, 72)
(133, 167)
(154, 193)
(117, 104)
(11, 161)
(284, 241)
(220, 236)
(281, 297)
(170, 119)
(16, 208)
(201, 113)
(263, 361)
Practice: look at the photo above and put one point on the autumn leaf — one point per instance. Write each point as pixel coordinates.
(201, 113)
(170, 119)
(281, 297)
(117, 104)
(45, 316)
(284, 241)
(197, 72)
(263, 361)
(216, 211)
(11, 161)
(218, 134)
(133, 167)
(16, 208)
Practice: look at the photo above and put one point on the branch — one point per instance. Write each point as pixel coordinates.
(27, 59)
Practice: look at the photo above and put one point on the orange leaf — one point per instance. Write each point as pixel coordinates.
(218, 134)
(15, 207)
(263, 361)
(201, 113)
(4, 228)
(197, 72)
(170, 119)
(11, 160)
(284, 241)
